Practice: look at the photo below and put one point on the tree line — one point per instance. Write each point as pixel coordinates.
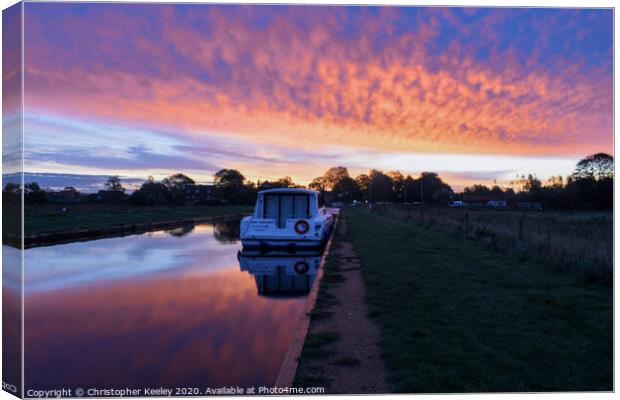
(590, 186)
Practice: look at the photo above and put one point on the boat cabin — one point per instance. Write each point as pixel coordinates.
(286, 218)
(286, 203)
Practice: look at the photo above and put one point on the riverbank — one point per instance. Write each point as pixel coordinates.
(455, 316)
(52, 224)
(341, 350)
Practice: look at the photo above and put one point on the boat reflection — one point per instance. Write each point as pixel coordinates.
(281, 273)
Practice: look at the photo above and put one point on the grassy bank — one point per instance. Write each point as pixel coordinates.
(48, 219)
(458, 317)
(576, 242)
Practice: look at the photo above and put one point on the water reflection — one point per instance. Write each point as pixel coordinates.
(225, 232)
(153, 310)
(181, 231)
(281, 274)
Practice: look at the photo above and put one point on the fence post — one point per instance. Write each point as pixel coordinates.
(521, 220)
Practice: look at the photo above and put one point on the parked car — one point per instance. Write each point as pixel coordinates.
(499, 204)
(457, 204)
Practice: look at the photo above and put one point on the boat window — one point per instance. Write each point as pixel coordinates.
(284, 206)
(287, 207)
(301, 206)
(271, 206)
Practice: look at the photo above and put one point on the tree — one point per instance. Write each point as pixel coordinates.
(597, 166)
(363, 184)
(409, 189)
(380, 186)
(429, 183)
(442, 195)
(287, 181)
(284, 182)
(152, 193)
(113, 183)
(398, 185)
(334, 175)
(532, 184)
(346, 190)
(317, 184)
(176, 185)
(555, 182)
(230, 185)
(11, 194)
(477, 189)
(230, 179)
(329, 180)
(33, 194)
(177, 182)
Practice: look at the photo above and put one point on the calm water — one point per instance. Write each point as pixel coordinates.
(167, 308)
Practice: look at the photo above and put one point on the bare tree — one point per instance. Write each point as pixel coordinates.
(596, 166)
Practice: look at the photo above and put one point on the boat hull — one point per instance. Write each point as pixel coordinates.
(283, 243)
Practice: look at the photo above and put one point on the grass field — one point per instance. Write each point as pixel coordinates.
(45, 219)
(577, 242)
(458, 317)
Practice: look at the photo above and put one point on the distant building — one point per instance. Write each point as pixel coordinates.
(63, 196)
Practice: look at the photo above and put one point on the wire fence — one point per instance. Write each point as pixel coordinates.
(579, 242)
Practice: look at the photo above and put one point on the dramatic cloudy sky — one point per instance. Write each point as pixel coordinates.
(474, 94)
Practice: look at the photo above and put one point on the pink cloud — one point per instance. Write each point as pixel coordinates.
(302, 85)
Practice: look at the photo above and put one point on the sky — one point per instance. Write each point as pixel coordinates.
(475, 94)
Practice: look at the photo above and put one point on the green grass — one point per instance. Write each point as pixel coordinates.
(326, 301)
(585, 216)
(457, 317)
(346, 362)
(45, 219)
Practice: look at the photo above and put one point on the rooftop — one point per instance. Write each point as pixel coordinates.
(288, 190)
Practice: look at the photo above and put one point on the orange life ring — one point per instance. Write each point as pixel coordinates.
(301, 267)
(302, 226)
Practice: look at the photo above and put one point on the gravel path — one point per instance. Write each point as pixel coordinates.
(351, 361)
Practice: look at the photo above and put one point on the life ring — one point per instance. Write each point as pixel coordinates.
(302, 226)
(301, 267)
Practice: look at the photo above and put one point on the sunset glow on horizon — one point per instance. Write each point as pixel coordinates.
(475, 94)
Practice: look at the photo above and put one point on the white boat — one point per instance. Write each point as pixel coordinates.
(287, 218)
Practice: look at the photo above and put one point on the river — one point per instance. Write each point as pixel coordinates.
(170, 308)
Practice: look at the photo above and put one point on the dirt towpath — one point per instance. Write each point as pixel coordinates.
(341, 351)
